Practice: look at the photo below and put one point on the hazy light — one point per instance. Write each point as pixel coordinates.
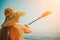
(57, 2)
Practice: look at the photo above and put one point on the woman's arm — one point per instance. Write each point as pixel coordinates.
(27, 29)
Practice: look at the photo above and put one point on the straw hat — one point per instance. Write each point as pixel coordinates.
(9, 12)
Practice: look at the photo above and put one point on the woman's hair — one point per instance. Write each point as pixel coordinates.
(10, 12)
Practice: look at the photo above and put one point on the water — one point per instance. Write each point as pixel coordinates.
(40, 38)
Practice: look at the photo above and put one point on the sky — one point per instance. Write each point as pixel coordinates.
(47, 26)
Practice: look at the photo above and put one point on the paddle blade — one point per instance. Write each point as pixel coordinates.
(46, 13)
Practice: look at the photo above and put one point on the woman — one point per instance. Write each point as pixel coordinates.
(15, 30)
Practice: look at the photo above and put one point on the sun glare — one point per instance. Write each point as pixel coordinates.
(58, 2)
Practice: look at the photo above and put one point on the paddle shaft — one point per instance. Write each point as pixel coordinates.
(34, 21)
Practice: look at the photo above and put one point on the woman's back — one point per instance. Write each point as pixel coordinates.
(16, 32)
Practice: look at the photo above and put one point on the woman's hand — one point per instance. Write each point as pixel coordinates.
(27, 25)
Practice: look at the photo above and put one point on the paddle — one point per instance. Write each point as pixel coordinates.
(43, 15)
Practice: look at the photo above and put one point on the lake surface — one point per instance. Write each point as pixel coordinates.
(40, 38)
